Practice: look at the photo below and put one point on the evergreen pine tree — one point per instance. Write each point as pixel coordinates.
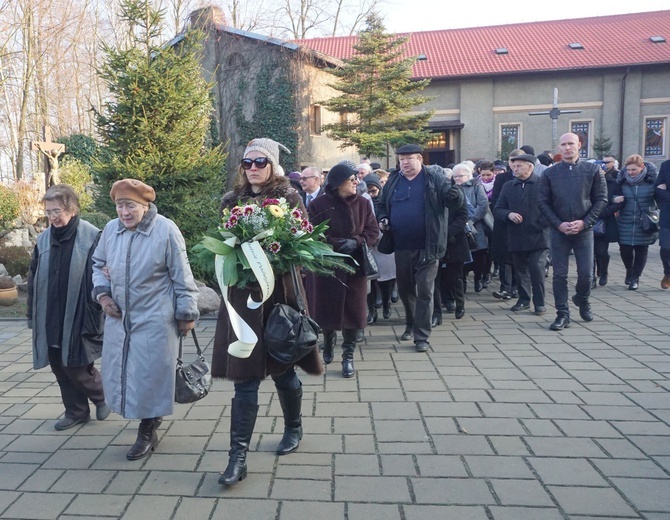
(377, 94)
(156, 125)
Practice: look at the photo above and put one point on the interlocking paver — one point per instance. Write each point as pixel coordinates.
(502, 420)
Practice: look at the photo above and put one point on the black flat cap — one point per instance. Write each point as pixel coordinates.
(407, 149)
(524, 157)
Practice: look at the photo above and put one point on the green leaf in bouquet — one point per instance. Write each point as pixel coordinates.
(216, 246)
(230, 270)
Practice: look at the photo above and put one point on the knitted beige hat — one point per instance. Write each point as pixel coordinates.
(270, 149)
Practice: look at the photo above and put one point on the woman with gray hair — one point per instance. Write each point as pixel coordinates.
(476, 195)
(66, 322)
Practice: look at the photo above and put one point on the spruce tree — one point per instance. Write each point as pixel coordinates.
(156, 125)
(377, 94)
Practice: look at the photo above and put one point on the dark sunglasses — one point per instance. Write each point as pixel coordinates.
(260, 162)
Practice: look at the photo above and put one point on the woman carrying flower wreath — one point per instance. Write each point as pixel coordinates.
(258, 181)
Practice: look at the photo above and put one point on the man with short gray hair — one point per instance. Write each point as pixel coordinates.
(311, 181)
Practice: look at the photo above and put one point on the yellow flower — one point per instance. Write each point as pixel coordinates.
(276, 211)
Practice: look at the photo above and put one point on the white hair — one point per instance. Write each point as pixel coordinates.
(463, 167)
(364, 166)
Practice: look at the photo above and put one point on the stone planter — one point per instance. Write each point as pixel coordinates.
(9, 296)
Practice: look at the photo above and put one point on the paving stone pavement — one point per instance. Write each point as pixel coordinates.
(501, 420)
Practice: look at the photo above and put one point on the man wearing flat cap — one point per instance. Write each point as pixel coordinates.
(413, 210)
(527, 232)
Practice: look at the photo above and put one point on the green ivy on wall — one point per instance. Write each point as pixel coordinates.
(274, 111)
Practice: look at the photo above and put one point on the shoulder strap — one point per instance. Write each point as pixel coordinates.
(300, 302)
(181, 344)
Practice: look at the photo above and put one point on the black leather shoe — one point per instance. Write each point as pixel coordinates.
(634, 284)
(520, 306)
(459, 313)
(540, 309)
(436, 320)
(329, 341)
(68, 422)
(146, 440)
(386, 310)
(450, 306)
(628, 278)
(348, 369)
(408, 334)
(561, 322)
(501, 295)
(478, 286)
(372, 316)
(603, 280)
(584, 309)
(515, 294)
(422, 346)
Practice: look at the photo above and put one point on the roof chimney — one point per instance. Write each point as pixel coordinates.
(203, 18)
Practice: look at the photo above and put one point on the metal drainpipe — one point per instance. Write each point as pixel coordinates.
(621, 113)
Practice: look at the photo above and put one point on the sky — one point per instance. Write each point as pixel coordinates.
(426, 15)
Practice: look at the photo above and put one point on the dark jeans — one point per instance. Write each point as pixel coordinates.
(529, 268)
(665, 258)
(248, 390)
(506, 277)
(416, 281)
(561, 245)
(452, 284)
(77, 385)
(634, 259)
(478, 264)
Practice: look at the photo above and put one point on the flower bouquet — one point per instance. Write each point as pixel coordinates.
(259, 240)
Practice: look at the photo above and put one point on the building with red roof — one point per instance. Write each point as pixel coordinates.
(611, 72)
(492, 88)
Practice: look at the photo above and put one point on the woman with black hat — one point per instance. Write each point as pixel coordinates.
(351, 222)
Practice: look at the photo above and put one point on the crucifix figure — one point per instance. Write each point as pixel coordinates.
(51, 152)
(553, 114)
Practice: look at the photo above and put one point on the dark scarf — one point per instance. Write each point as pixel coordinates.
(62, 245)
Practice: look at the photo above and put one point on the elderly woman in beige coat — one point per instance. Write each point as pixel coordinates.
(143, 281)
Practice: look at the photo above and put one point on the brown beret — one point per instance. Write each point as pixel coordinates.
(132, 189)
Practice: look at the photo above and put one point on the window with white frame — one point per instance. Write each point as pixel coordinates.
(582, 129)
(654, 136)
(510, 138)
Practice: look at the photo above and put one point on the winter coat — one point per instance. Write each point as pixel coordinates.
(636, 199)
(475, 193)
(520, 197)
(339, 302)
(148, 275)
(458, 250)
(83, 321)
(441, 195)
(663, 196)
(385, 262)
(498, 245)
(572, 191)
(258, 365)
(608, 214)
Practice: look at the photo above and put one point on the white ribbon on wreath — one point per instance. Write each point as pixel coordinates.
(260, 265)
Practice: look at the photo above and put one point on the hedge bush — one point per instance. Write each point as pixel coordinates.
(16, 260)
(9, 206)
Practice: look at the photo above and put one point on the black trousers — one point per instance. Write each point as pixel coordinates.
(416, 281)
(452, 283)
(529, 270)
(77, 385)
(602, 255)
(634, 258)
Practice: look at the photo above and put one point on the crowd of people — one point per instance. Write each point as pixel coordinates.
(127, 293)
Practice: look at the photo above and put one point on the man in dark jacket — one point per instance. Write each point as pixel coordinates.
(414, 208)
(527, 232)
(572, 195)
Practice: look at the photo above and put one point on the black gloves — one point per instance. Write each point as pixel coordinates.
(348, 246)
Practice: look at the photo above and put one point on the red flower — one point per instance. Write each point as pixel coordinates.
(269, 202)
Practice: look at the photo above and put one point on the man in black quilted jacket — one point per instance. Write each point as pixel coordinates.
(572, 195)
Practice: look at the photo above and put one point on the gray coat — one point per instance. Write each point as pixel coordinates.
(150, 280)
(82, 324)
(475, 193)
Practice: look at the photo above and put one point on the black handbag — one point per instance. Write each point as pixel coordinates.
(471, 235)
(194, 380)
(370, 266)
(385, 244)
(649, 220)
(289, 333)
(599, 228)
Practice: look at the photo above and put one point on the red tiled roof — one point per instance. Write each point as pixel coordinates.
(609, 41)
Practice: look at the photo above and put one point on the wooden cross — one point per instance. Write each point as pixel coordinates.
(51, 151)
(553, 114)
